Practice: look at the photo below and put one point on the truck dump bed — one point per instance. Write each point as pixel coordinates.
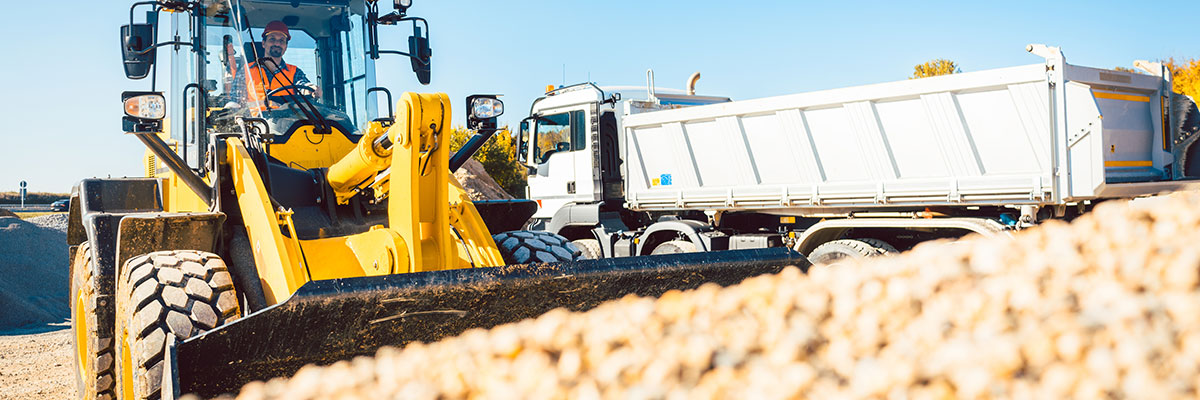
(1041, 134)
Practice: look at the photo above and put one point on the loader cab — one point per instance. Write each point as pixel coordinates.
(333, 45)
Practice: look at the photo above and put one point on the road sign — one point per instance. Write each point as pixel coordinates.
(22, 184)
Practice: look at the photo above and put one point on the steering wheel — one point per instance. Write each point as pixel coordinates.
(310, 90)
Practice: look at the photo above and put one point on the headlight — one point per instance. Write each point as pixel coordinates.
(484, 108)
(146, 106)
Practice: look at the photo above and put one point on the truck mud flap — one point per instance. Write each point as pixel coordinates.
(331, 320)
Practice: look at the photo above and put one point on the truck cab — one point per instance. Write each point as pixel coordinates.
(571, 147)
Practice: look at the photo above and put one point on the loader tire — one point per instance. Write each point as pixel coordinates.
(92, 313)
(589, 248)
(830, 252)
(674, 247)
(525, 247)
(181, 293)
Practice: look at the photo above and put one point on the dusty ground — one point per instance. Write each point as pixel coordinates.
(35, 364)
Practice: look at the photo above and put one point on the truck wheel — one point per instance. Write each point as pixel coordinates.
(92, 328)
(524, 247)
(181, 293)
(674, 247)
(842, 249)
(589, 248)
(882, 248)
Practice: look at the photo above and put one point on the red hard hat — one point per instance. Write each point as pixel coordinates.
(277, 26)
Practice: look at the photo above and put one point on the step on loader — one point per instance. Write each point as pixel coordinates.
(282, 223)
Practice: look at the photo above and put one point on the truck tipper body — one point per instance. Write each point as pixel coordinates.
(874, 168)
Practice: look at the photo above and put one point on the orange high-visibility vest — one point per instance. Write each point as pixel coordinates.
(262, 82)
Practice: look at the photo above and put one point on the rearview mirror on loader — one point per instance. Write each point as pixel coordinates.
(419, 46)
(137, 41)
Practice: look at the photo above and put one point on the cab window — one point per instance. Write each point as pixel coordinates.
(563, 132)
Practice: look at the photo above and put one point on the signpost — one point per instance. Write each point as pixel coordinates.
(22, 194)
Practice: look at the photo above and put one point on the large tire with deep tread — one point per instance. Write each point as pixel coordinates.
(92, 311)
(589, 248)
(524, 247)
(181, 293)
(833, 251)
(674, 247)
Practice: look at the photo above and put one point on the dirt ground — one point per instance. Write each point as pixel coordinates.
(36, 364)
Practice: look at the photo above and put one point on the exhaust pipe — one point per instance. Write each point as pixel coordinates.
(691, 83)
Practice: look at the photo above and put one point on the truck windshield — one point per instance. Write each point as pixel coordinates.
(321, 57)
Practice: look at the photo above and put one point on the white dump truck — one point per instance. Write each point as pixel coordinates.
(856, 171)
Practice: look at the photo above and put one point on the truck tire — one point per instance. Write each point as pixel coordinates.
(181, 293)
(841, 249)
(882, 248)
(92, 327)
(525, 247)
(674, 247)
(589, 248)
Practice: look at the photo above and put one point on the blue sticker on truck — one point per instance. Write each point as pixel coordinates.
(664, 179)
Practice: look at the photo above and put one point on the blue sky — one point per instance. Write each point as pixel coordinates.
(63, 78)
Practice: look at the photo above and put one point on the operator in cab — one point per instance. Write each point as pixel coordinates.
(269, 73)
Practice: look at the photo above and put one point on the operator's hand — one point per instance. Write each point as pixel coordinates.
(316, 90)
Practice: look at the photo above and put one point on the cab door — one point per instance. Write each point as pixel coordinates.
(559, 156)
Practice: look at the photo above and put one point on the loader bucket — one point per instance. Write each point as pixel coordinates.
(331, 320)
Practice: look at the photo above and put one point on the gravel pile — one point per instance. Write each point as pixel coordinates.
(1108, 306)
(478, 184)
(56, 222)
(34, 271)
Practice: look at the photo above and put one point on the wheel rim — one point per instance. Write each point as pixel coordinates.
(126, 367)
(81, 334)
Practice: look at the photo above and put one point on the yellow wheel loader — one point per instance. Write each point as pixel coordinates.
(284, 221)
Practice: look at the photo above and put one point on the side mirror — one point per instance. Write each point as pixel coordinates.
(135, 40)
(524, 139)
(418, 45)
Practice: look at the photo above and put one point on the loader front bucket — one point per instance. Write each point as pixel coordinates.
(331, 320)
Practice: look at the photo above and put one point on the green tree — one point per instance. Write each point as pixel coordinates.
(498, 158)
(936, 67)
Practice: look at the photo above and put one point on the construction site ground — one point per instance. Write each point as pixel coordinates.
(1106, 306)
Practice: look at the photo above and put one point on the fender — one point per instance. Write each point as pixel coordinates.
(690, 229)
(826, 231)
(574, 215)
(123, 218)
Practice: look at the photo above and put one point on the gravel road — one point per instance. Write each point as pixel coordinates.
(36, 365)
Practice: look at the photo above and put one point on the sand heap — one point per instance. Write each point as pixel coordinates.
(34, 271)
(477, 182)
(1108, 306)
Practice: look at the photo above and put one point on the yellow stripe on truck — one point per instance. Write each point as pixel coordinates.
(1126, 97)
(1128, 164)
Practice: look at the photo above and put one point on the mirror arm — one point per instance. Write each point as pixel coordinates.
(401, 53)
(172, 43)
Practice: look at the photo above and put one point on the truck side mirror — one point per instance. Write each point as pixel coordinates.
(418, 45)
(135, 40)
